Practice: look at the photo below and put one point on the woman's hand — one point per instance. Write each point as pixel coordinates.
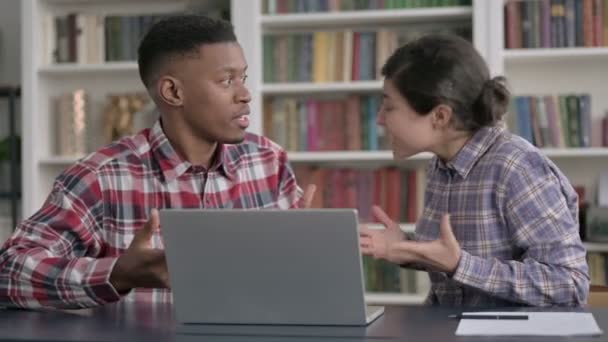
(442, 255)
(378, 242)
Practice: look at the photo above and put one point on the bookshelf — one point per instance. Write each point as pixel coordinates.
(361, 17)
(312, 88)
(558, 71)
(513, 56)
(394, 298)
(529, 71)
(568, 69)
(66, 69)
(358, 20)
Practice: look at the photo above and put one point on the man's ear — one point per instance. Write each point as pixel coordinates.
(170, 90)
(442, 116)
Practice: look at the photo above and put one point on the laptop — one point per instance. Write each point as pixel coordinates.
(280, 267)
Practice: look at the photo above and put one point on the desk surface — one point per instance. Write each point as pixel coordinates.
(130, 322)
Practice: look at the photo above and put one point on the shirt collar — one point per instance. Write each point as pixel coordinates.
(472, 150)
(171, 163)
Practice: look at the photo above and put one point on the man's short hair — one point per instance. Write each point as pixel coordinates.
(179, 36)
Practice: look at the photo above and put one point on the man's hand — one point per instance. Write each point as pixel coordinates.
(140, 265)
(442, 255)
(309, 195)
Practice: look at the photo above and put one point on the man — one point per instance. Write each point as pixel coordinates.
(97, 237)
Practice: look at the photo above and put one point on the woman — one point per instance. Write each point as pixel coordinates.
(500, 221)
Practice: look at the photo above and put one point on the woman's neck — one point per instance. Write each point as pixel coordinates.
(450, 147)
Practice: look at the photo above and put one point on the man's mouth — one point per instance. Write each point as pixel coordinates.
(243, 120)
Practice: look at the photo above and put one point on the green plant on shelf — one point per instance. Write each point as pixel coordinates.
(5, 148)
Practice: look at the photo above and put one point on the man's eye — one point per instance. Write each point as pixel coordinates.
(244, 78)
(227, 81)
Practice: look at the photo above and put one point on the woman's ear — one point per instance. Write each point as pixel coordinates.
(442, 116)
(170, 91)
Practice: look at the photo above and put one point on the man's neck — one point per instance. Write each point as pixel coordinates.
(191, 148)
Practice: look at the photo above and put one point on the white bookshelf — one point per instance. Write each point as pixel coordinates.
(312, 88)
(359, 18)
(596, 247)
(513, 56)
(529, 71)
(557, 71)
(368, 19)
(58, 161)
(43, 81)
(66, 69)
(374, 156)
(394, 298)
(350, 156)
(405, 227)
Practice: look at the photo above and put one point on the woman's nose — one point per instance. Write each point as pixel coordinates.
(380, 119)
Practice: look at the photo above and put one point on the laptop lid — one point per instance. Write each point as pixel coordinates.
(265, 266)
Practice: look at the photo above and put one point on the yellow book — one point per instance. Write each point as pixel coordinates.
(347, 56)
(292, 124)
(605, 23)
(319, 63)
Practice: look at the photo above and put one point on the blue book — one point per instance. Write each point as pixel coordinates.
(578, 19)
(524, 118)
(372, 111)
(585, 120)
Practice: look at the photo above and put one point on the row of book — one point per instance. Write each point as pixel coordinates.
(337, 56)
(384, 277)
(91, 38)
(381, 276)
(306, 6)
(597, 268)
(398, 191)
(556, 23)
(555, 121)
(308, 124)
(75, 116)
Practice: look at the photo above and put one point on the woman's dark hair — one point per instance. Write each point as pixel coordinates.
(179, 35)
(446, 69)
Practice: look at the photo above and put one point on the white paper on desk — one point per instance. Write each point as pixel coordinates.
(537, 324)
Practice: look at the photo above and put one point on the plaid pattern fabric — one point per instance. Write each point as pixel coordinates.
(515, 216)
(63, 255)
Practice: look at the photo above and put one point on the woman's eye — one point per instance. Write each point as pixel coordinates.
(244, 78)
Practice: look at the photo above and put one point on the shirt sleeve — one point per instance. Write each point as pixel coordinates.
(53, 258)
(290, 194)
(540, 209)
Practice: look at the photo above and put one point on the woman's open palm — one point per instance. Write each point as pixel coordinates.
(377, 242)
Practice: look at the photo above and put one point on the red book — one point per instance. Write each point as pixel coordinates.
(393, 193)
(353, 123)
(588, 22)
(356, 56)
(598, 22)
(412, 199)
(379, 189)
(317, 177)
(312, 131)
(513, 30)
(349, 177)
